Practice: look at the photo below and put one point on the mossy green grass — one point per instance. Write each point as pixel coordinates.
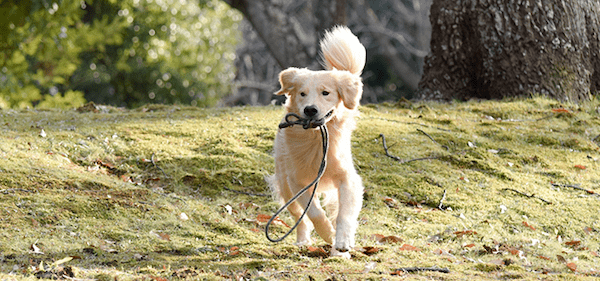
(490, 190)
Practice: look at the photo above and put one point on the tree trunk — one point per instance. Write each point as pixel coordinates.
(291, 31)
(493, 49)
(397, 63)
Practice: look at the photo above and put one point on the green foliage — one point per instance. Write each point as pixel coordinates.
(70, 99)
(125, 53)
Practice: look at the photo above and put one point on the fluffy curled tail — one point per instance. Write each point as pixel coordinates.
(341, 50)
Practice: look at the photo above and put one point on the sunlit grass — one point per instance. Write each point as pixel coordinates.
(142, 193)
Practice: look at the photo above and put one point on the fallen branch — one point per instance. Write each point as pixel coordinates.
(387, 153)
(526, 195)
(595, 139)
(402, 161)
(441, 206)
(419, 269)
(246, 193)
(431, 138)
(575, 187)
(8, 190)
(156, 166)
(410, 123)
(546, 117)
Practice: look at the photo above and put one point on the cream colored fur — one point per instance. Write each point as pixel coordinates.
(298, 152)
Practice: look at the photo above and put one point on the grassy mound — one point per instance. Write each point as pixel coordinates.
(505, 190)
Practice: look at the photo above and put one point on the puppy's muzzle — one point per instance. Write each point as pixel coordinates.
(307, 123)
(314, 123)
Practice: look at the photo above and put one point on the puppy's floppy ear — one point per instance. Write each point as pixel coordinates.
(286, 79)
(350, 87)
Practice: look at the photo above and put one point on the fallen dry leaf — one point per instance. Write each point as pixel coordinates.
(580, 167)
(391, 239)
(233, 251)
(164, 236)
(386, 239)
(265, 218)
(572, 266)
(367, 250)
(316, 252)
(249, 205)
(377, 237)
(441, 252)
(561, 258)
(464, 232)
(560, 110)
(573, 243)
(513, 251)
(544, 258)
(407, 247)
(528, 225)
(391, 202)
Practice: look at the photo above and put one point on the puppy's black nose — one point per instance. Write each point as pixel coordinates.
(310, 111)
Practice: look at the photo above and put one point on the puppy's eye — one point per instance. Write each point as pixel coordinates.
(325, 93)
(303, 94)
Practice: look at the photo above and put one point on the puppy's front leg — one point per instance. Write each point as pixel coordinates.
(317, 216)
(350, 203)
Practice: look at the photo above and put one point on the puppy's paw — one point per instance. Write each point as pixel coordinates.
(344, 243)
(303, 242)
(336, 253)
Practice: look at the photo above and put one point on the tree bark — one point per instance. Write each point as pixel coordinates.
(400, 66)
(291, 32)
(493, 49)
(290, 44)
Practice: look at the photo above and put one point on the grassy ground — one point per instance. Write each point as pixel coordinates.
(114, 194)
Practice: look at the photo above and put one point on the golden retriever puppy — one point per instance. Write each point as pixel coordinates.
(331, 97)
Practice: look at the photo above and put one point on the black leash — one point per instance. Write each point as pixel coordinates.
(306, 124)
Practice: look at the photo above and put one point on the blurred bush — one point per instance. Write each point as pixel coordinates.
(57, 53)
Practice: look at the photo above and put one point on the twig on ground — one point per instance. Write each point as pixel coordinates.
(387, 153)
(419, 159)
(246, 193)
(9, 190)
(411, 123)
(402, 161)
(576, 187)
(156, 166)
(526, 195)
(595, 139)
(545, 117)
(418, 269)
(431, 138)
(424, 125)
(441, 205)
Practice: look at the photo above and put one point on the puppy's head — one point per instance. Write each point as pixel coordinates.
(318, 95)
